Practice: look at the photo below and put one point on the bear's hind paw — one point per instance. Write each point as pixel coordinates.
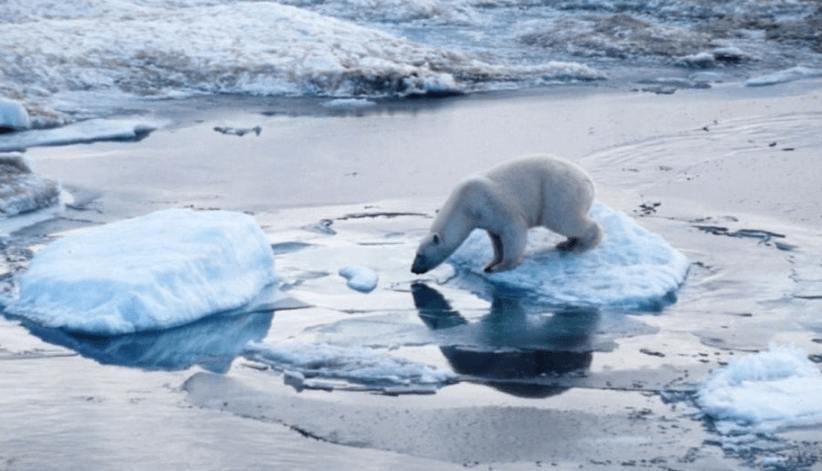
(568, 245)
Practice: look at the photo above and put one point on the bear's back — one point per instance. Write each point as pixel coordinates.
(542, 186)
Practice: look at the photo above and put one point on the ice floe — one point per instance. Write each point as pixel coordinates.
(632, 268)
(784, 76)
(367, 367)
(764, 392)
(157, 271)
(92, 130)
(360, 278)
(13, 116)
(22, 190)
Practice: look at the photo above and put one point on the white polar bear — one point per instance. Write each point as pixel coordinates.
(508, 200)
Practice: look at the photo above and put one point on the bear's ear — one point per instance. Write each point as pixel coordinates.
(436, 239)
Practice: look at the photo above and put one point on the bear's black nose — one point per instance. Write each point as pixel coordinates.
(418, 267)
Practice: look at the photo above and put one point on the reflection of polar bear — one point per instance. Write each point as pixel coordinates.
(533, 191)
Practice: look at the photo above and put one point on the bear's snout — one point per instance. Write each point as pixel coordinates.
(419, 267)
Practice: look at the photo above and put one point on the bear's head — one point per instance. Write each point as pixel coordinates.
(431, 252)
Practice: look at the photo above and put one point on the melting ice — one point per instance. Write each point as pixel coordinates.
(158, 271)
(22, 190)
(764, 392)
(354, 364)
(632, 268)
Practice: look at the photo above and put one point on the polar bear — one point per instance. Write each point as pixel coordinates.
(533, 191)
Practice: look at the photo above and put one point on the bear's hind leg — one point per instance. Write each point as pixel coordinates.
(568, 245)
(586, 235)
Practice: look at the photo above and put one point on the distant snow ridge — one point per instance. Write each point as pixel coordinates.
(764, 392)
(631, 269)
(157, 271)
(354, 364)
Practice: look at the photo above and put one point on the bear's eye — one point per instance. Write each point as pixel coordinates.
(436, 239)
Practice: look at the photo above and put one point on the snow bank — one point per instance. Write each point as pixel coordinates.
(764, 392)
(632, 268)
(359, 278)
(149, 273)
(92, 130)
(353, 364)
(261, 48)
(784, 76)
(13, 116)
(21, 190)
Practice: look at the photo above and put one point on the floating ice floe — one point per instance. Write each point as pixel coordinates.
(360, 278)
(363, 366)
(764, 392)
(158, 271)
(13, 116)
(632, 268)
(92, 130)
(21, 190)
(784, 76)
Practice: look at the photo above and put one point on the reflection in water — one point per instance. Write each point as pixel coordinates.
(211, 343)
(513, 352)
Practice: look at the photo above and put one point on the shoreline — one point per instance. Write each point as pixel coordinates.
(420, 150)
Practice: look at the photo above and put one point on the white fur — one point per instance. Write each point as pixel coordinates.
(508, 200)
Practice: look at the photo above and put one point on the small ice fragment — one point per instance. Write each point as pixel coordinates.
(784, 76)
(350, 103)
(360, 278)
(21, 190)
(702, 60)
(13, 116)
(314, 365)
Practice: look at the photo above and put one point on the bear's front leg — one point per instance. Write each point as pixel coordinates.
(496, 243)
(511, 245)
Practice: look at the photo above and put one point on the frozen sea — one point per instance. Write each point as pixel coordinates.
(326, 134)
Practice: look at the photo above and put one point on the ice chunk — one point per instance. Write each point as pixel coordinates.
(148, 273)
(764, 392)
(360, 278)
(353, 364)
(632, 268)
(92, 130)
(784, 76)
(13, 116)
(21, 190)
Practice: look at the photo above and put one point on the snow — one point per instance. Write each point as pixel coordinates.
(153, 272)
(764, 392)
(13, 116)
(156, 49)
(354, 364)
(360, 278)
(632, 268)
(784, 76)
(21, 190)
(92, 130)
